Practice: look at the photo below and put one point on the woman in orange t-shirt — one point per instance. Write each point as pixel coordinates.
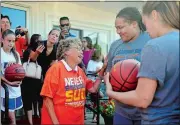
(65, 85)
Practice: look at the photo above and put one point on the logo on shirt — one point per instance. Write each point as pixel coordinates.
(75, 91)
(126, 54)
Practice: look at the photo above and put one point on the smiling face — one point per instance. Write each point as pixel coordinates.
(75, 54)
(9, 42)
(127, 31)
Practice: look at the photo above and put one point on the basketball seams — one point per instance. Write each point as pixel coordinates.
(14, 72)
(117, 81)
(125, 81)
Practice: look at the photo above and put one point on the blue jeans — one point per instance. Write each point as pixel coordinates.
(120, 120)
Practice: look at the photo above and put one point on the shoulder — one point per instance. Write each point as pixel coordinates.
(116, 42)
(57, 66)
(144, 36)
(80, 70)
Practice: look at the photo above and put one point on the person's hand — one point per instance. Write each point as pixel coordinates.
(15, 83)
(9, 64)
(102, 70)
(22, 29)
(64, 33)
(108, 84)
(40, 49)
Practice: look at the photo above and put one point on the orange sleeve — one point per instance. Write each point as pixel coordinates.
(88, 82)
(51, 81)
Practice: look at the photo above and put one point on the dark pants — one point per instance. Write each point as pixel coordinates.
(120, 120)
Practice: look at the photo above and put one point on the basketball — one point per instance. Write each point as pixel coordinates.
(14, 72)
(123, 75)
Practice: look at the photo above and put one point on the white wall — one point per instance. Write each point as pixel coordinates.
(43, 15)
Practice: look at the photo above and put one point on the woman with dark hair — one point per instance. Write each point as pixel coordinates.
(87, 50)
(45, 54)
(157, 91)
(130, 28)
(31, 87)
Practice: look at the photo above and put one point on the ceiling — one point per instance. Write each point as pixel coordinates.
(113, 7)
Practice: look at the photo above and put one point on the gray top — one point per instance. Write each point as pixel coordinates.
(119, 51)
(160, 61)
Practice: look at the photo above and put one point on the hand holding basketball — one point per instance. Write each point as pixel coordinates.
(15, 83)
(14, 73)
(108, 85)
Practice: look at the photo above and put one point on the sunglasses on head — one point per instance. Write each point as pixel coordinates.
(62, 25)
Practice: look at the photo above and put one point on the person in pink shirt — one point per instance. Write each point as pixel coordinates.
(88, 50)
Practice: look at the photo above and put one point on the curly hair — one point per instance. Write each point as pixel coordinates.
(65, 45)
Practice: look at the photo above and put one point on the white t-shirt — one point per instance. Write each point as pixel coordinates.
(93, 66)
(14, 92)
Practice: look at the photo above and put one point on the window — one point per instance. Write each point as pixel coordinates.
(17, 17)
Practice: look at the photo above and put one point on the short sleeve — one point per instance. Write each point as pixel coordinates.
(88, 82)
(50, 85)
(153, 64)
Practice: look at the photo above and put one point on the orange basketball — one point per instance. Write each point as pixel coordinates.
(15, 72)
(123, 75)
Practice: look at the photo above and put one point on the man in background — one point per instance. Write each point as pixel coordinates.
(65, 28)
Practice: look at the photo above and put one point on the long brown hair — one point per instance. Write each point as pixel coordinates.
(5, 33)
(169, 11)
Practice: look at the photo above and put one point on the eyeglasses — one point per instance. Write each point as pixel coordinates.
(62, 25)
(3, 22)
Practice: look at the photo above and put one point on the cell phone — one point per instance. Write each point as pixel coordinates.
(40, 43)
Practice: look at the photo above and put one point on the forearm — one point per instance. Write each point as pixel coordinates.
(96, 86)
(27, 38)
(50, 108)
(5, 80)
(130, 98)
(34, 55)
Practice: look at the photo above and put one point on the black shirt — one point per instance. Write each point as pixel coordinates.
(43, 60)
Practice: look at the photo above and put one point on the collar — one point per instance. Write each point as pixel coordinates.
(68, 68)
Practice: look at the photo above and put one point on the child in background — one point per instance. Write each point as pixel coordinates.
(9, 56)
